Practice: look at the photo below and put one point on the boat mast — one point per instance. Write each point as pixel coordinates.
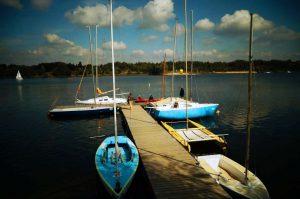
(186, 67)
(174, 59)
(96, 58)
(249, 115)
(163, 79)
(114, 86)
(192, 40)
(90, 39)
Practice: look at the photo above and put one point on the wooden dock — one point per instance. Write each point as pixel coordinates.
(171, 170)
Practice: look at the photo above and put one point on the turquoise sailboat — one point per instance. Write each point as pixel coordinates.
(174, 108)
(117, 157)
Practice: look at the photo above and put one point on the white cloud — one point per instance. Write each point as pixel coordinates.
(169, 52)
(41, 4)
(57, 48)
(155, 14)
(149, 38)
(204, 24)
(179, 30)
(123, 16)
(117, 45)
(89, 15)
(278, 34)
(12, 3)
(138, 53)
(99, 14)
(209, 40)
(168, 39)
(239, 23)
(210, 55)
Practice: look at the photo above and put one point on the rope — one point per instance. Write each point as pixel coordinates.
(79, 86)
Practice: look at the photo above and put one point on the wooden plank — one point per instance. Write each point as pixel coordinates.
(171, 169)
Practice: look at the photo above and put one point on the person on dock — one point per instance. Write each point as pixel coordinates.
(181, 93)
(130, 100)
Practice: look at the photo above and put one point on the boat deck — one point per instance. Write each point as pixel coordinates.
(171, 170)
(194, 135)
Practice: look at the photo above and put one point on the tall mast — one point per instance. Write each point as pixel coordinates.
(114, 85)
(192, 40)
(163, 79)
(90, 39)
(174, 59)
(96, 58)
(249, 115)
(186, 67)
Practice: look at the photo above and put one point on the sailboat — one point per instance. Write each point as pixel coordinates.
(230, 174)
(117, 157)
(83, 110)
(191, 134)
(174, 108)
(19, 77)
(102, 98)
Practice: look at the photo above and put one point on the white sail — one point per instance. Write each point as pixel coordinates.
(19, 77)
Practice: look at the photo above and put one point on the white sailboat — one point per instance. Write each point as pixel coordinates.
(117, 157)
(83, 110)
(19, 77)
(230, 174)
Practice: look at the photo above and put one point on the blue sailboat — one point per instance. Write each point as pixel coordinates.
(117, 157)
(176, 108)
(117, 169)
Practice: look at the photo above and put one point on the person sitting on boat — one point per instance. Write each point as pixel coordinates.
(151, 97)
(181, 93)
(98, 90)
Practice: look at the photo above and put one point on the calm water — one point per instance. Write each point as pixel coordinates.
(42, 158)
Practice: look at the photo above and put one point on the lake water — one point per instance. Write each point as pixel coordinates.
(42, 158)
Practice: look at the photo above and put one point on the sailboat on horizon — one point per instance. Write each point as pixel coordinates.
(19, 76)
(230, 174)
(117, 157)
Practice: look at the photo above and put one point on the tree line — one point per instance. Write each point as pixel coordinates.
(61, 69)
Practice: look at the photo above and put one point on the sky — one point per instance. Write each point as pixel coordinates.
(40, 31)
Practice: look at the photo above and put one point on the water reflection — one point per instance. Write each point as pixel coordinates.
(20, 92)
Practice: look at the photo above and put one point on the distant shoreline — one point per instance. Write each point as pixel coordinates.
(213, 72)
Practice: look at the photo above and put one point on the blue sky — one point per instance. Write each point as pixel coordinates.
(35, 31)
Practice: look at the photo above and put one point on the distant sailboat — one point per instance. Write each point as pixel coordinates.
(19, 77)
(230, 174)
(117, 157)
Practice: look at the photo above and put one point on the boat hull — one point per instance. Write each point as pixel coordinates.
(145, 100)
(180, 113)
(106, 165)
(231, 176)
(79, 111)
(105, 100)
